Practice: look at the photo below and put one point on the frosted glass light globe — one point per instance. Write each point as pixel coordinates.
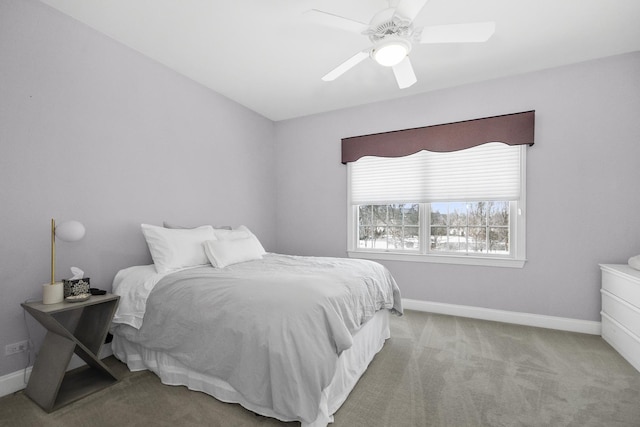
(391, 53)
(70, 231)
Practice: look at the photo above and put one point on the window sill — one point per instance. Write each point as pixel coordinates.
(440, 259)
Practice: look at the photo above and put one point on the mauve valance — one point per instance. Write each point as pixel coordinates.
(511, 129)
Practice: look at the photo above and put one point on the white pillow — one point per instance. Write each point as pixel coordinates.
(172, 249)
(241, 232)
(222, 253)
(634, 262)
(176, 225)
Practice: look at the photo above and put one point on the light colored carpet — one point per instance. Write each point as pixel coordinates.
(435, 371)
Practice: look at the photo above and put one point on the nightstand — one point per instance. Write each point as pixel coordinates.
(80, 328)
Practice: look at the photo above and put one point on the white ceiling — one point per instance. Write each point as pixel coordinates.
(269, 56)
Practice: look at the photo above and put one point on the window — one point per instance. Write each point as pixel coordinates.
(463, 206)
(389, 227)
(470, 228)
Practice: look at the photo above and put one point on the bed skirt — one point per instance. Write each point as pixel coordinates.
(352, 363)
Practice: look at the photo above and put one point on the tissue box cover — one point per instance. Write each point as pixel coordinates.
(76, 287)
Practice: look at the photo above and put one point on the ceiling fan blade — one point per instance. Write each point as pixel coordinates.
(335, 21)
(404, 73)
(346, 66)
(409, 9)
(476, 32)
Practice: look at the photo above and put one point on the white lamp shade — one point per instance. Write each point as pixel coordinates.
(70, 231)
(391, 53)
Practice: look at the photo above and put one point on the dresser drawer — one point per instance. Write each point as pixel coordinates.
(622, 340)
(623, 282)
(624, 313)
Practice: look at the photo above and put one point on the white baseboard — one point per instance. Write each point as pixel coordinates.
(15, 381)
(527, 319)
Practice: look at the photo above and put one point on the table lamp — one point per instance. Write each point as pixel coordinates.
(70, 231)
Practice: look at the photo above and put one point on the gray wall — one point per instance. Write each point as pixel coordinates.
(582, 177)
(93, 131)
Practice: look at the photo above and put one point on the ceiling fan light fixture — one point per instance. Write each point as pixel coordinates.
(391, 52)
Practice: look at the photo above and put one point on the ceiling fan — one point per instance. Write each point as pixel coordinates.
(392, 35)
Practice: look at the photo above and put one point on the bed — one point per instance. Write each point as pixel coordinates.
(284, 336)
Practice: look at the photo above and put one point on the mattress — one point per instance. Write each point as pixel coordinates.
(352, 363)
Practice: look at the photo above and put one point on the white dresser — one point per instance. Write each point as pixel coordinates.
(621, 310)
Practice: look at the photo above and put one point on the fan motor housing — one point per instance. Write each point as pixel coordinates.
(392, 28)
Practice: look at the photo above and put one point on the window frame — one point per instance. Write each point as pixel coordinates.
(517, 230)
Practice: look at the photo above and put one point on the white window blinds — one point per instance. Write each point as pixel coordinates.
(487, 172)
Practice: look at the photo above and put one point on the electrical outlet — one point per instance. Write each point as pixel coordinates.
(16, 347)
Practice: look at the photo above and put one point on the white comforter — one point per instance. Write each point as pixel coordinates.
(272, 328)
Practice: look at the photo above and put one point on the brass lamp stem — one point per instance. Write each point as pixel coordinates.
(53, 251)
